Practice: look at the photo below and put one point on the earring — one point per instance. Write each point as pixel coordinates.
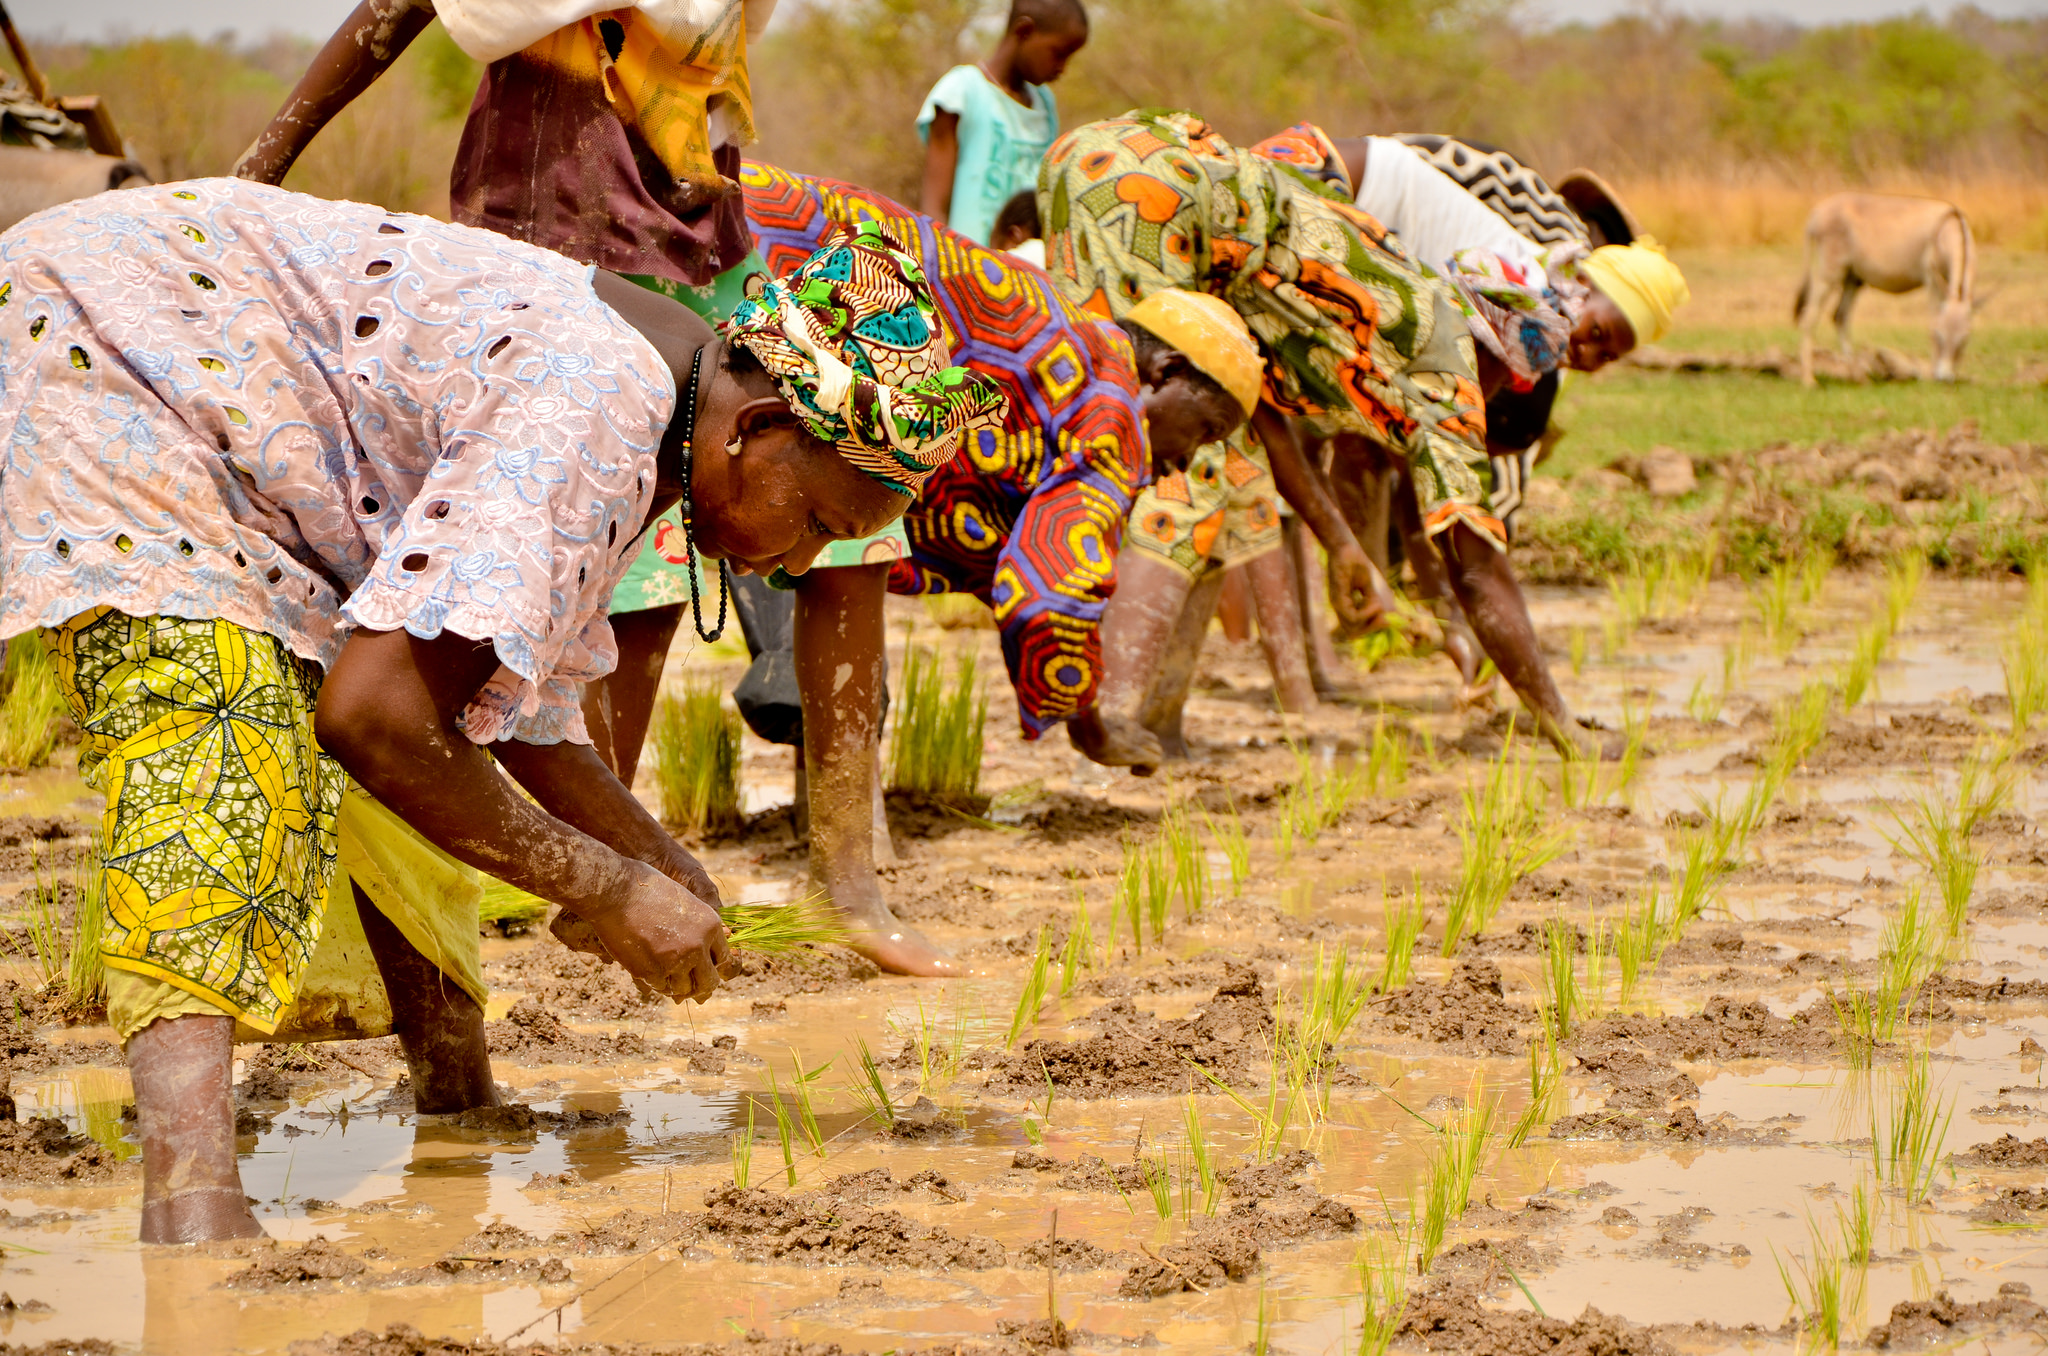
(733, 445)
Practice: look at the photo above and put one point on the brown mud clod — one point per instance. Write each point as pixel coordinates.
(1136, 1054)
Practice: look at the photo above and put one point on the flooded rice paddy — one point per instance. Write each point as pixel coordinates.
(1701, 1142)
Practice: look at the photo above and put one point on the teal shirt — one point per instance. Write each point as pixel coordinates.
(1001, 144)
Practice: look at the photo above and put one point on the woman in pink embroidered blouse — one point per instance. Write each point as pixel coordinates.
(306, 496)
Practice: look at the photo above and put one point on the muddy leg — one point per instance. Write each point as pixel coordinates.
(1166, 699)
(1280, 632)
(1493, 600)
(1234, 608)
(1433, 588)
(840, 661)
(1325, 669)
(1137, 626)
(439, 1026)
(183, 1070)
(618, 709)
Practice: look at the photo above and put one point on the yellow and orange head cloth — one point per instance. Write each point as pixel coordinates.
(1638, 278)
(1212, 335)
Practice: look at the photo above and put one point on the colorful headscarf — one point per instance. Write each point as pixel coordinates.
(853, 340)
(1646, 286)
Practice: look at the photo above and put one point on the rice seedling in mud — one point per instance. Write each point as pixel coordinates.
(1501, 837)
(1825, 1289)
(1814, 569)
(1159, 1182)
(871, 1089)
(1199, 1154)
(1639, 939)
(1183, 846)
(1331, 998)
(1575, 647)
(30, 704)
(1033, 996)
(939, 1055)
(1456, 1152)
(1230, 839)
(1704, 703)
(1908, 1127)
(1386, 768)
(785, 1127)
(697, 758)
(1861, 670)
(937, 744)
(1401, 921)
(1698, 873)
(1909, 954)
(1383, 1293)
(1984, 784)
(1931, 835)
(1772, 595)
(2024, 656)
(1903, 575)
(1561, 995)
(1317, 798)
(1858, 1224)
(743, 1152)
(65, 953)
(1797, 727)
(1599, 945)
(1078, 953)
(1546, 1077)
(806, 1108)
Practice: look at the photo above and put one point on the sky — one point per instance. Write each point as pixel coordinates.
(252, 19)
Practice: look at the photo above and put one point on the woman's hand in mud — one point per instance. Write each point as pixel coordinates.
(1358, 591)
(675, 861)
(666, 938)
(1115, 741)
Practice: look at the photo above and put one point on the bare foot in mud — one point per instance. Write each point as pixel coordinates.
(884, 939)
(1115, 741)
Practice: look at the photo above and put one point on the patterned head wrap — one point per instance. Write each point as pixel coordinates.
(1646, 286)
(853, 340)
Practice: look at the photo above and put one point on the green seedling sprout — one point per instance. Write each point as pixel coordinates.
(743, 1152)
(1033, 996)
(1638, 942)
(806, 1111)
(1501, 838)
(1773, 598)
(785, 1131)
(1907, 1129)
(1599, 942)
(1079, 952)
(937, 745)
(1403, 927)
(1561, 996)
(1546, 1076)
(1387, 759)
(1704, 704)
(697, 758)
(1159, 1181)
(1902, 579)
(871, 1090)
(1158, 887)
(1576, 647)
(1198, 1153)
(1183, 847)
(1383, 1289)
(1229, 837)
(1931, 834)
(1861, 671)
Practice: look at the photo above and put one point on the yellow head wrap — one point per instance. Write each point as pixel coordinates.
(1646, 286)
(1212, 335)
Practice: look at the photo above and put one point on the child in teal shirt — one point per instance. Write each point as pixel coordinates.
(986, 127)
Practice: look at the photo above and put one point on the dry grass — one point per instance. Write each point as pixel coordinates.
(1744, 211)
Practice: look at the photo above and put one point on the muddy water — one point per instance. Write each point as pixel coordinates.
(1659, 1232)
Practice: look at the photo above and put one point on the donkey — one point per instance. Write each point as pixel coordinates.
(1894, 244)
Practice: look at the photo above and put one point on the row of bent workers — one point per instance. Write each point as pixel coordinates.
(340, 522)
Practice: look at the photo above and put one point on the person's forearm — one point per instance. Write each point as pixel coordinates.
(941, 162)
(362, 49)
(573, 783)
(1301, 482)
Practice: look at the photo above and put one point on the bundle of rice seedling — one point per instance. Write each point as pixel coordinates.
(697, 759)
(778, 929)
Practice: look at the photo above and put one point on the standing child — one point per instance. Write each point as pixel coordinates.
(986, 127)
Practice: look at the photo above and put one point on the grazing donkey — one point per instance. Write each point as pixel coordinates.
(1894, 244)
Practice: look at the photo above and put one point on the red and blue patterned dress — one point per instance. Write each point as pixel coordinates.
(1028, 517)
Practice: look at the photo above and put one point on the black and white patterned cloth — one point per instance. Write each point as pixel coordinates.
(1522, 197)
